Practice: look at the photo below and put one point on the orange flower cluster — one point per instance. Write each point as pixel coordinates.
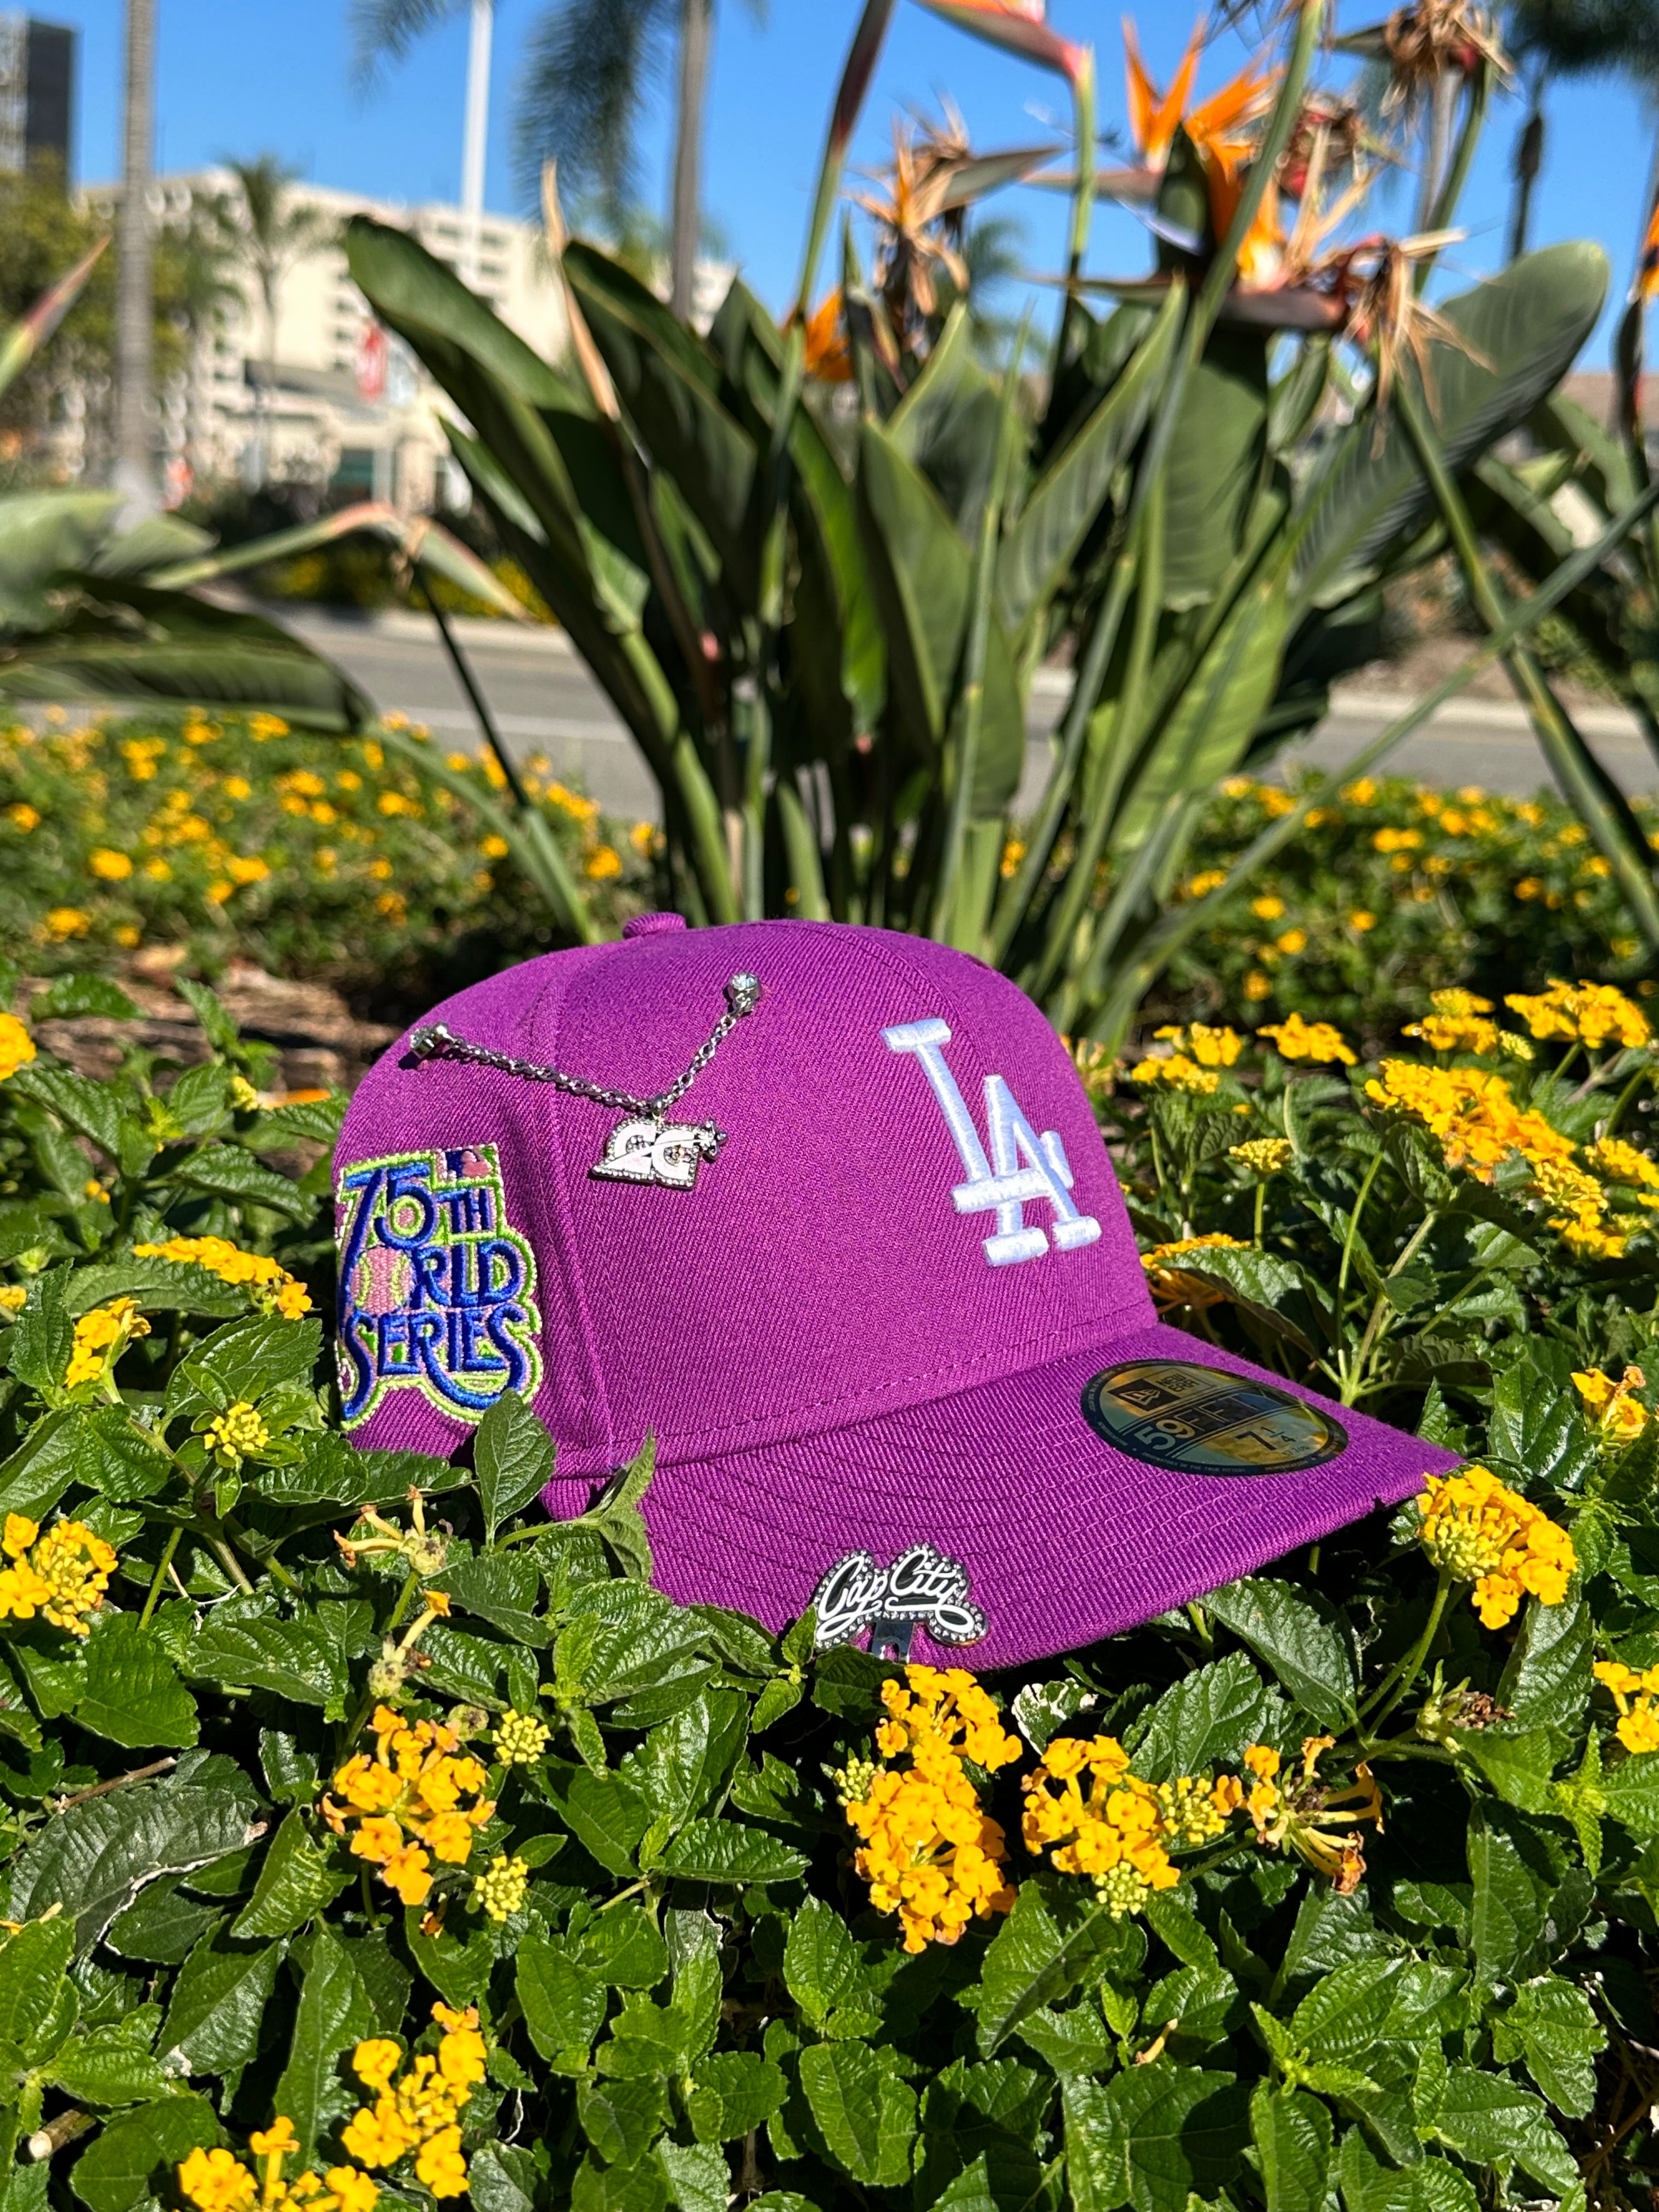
(929, 1851)
(1296, 1811)
(1472, 1114)
(1094, 1817)
(1478, 1530)
(418, 2115)
(406, 1803)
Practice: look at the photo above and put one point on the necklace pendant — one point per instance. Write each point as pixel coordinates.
(664, 1154)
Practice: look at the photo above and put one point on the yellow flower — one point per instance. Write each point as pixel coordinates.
(16, 1047)
(1362, 794)
(237, 1434)
(1210, 1048)
(110, 866)
(213, 2181)
(1619, 1414)
(376, 2062)
(602, 863)
(1473, 1115)
(1621, 1163)
(421, 2113)
(1592, 1014)
(1095, 1817)
(1262, 1155)
(1477, 1530)
(14, 1297)
(22, 816)
(498, 1891)
(1293, 941)
(1295, 1039)
(269, 1282)
(394, 803)
(1175, 1285)
(1294, 1811)
(520, 1738)
(1205, 881)
(1397, 841)
(61, 922)
(1360, 920)
(406, 1799)
(100, 1338)
(1257, 987)
(1268, 908)
(929, 1852)
(1177, 1072)
(63, 1576)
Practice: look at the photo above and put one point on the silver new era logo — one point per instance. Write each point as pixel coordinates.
(923, 1589)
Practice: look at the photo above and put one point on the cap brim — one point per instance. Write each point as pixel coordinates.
(1064, 1537)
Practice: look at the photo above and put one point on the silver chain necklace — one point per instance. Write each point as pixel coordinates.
(647, 1147)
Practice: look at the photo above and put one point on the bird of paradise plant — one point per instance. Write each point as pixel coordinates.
(825, 647)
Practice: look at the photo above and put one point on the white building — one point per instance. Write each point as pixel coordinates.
(324, 399)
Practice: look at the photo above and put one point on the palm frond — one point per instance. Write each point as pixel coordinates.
(385, 30)
(587, 67)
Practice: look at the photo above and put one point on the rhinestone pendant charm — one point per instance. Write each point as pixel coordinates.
(666, 1154)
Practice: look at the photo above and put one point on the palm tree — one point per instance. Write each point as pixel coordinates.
(135, 462)
(268, 229)
(588, 66)
(1570, 38)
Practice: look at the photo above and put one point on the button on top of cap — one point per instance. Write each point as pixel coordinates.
(652, 925)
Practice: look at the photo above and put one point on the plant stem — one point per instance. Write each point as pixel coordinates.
(161, 1576)
(1408, 1669)
(1353, 1230)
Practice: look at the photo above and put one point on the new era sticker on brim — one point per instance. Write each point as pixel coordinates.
(1203, 1420)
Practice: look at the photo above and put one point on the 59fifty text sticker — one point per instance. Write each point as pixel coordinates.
(1204, 1420)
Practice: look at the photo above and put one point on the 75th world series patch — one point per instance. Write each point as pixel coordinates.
(1204, 1420)
(437, 1288)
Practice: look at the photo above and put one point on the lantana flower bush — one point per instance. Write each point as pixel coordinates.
(368, 1838)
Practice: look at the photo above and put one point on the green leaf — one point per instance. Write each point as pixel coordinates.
(1301, 1637)
(1517, 333)
(502, 2177)
(1491, 2120)
(563, 2003)
(1151, 2135)
(821, 1965)
(1517, 1762)
(33, 1964)
(245, 1361)
(1630, 1792)
(696, 2174)
(513, 1456)
(1215, 465)
(161, 1926)
(110, 2065)
(502, 1587)
(246, 1641)
(1039, 1952)
(1552, 2027)
(1546, 1681)
(218, 2004)
(90, 1109)
(1346, 2013)
(335, 2012)
(1292, 2136)
(722, 1851)
(604, 1816)
(864, 2113)
(736, 2091)
(133, 1694)
(297, 1878)
(619, 2118)
(1206, 1720)
(66, 996)
(1509, 1905)
(622, 1947)
(227, 1171)
(92, 1860)
(134, 2158)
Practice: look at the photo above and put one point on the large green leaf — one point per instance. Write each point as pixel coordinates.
(1214, 715)
(407, 286)
(43, 535)
(1215, 466)
(947, 424)
(922, 574)
(1516, 334)
(1066, 500)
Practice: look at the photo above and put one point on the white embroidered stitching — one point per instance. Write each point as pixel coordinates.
(1000, 1184)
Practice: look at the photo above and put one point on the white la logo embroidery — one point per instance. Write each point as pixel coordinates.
(1000, 1184)
(923, 1588)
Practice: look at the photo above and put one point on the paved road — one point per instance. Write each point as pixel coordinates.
(545, 701)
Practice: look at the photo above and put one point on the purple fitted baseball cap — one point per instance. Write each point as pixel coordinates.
(826, 1209)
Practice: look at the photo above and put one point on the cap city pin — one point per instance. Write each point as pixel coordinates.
(647, 1147)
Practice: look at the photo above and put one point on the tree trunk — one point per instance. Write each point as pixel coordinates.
(477, 138)
(696, 42)
(135, 463)
(1528, 160)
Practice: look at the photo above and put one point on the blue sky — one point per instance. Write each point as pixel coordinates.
(236, 77)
